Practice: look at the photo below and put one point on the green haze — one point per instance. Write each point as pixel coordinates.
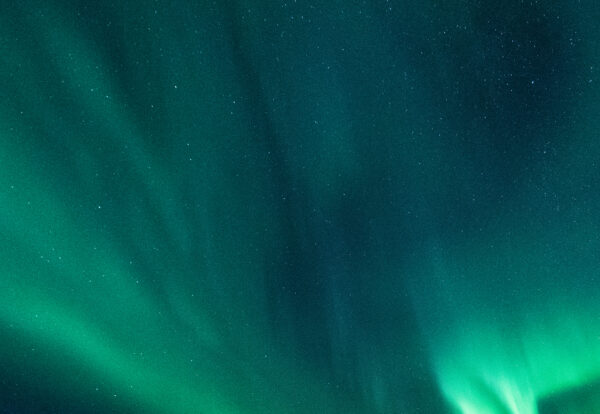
(300, 207)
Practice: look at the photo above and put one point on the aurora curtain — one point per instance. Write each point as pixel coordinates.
(299, 207)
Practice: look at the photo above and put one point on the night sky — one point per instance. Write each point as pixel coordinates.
(337, 207)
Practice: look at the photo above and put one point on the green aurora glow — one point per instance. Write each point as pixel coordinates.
(300, 207)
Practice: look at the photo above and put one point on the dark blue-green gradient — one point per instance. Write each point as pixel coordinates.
(361, 207)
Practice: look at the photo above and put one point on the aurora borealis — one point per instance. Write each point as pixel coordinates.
(362, 207)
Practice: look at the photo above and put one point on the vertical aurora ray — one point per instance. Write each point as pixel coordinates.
(257, 207)
(97, 266)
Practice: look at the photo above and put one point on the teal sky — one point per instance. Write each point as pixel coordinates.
(362, 207)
